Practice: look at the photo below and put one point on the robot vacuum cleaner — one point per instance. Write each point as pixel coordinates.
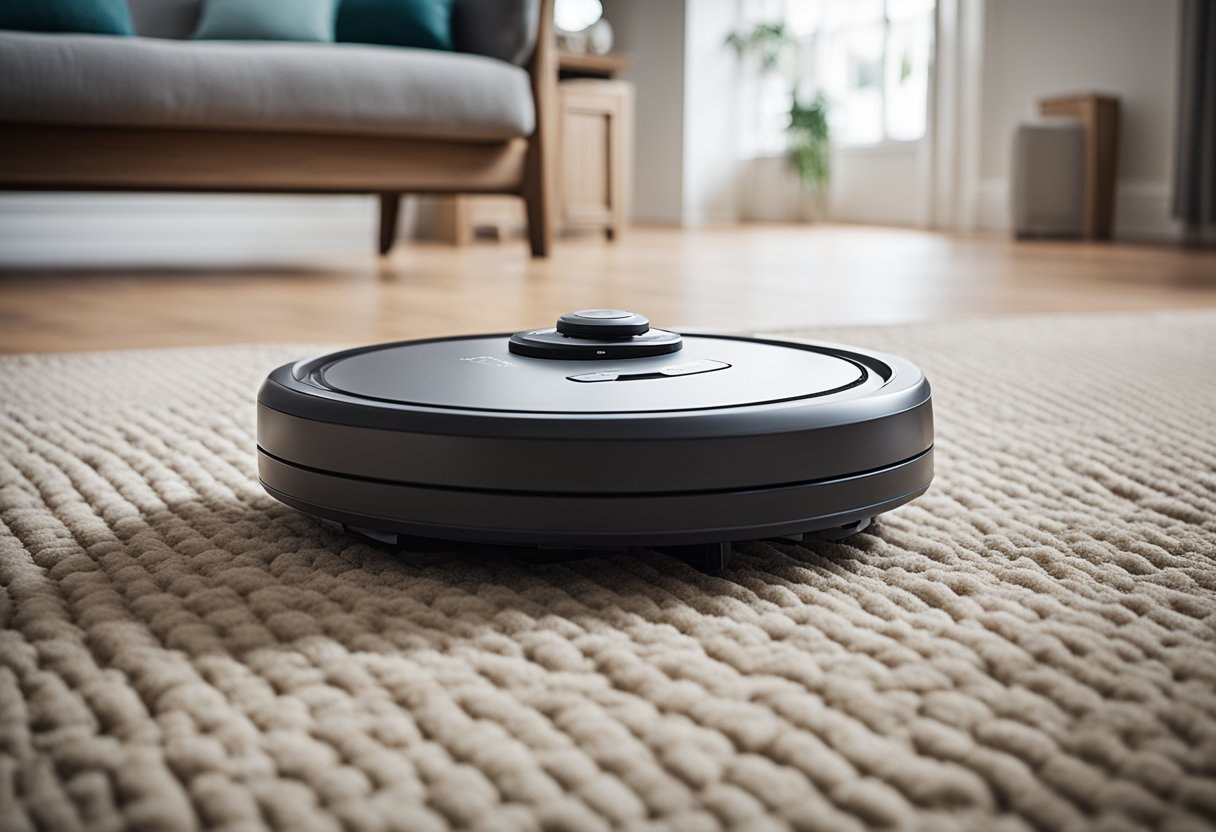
(598, 433)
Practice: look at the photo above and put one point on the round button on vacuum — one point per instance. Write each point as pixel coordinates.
(600, 314)
(549, 343)
(602, 323)
(596, 334)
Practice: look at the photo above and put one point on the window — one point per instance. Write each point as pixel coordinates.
(871, 58)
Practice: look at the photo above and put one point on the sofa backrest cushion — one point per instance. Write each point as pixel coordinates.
(90, 17)
(165, 18)
(503, 29)
(423, 24)
(304, 21)
(323, 89)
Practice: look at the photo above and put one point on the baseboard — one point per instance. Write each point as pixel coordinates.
(1142, 210)
(769, 191)
(989, 206)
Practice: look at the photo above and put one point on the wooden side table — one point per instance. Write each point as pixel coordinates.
(595, 138)
(586, 65)
(595, 159)
(1100, 116)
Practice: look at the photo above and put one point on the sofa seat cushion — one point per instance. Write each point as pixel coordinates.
(319, 88)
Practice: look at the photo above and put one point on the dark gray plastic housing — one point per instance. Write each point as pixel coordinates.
(728, 439)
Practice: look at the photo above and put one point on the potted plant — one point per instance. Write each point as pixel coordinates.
(808, 132)
(810, 143)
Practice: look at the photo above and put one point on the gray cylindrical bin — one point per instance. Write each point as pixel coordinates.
(1048, 193)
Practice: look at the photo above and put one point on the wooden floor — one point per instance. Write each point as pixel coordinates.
(738, 278)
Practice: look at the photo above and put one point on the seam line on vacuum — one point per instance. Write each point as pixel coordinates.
(591, 494)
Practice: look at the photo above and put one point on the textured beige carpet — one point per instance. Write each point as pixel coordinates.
(1030, 645)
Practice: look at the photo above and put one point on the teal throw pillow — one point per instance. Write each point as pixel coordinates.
(299, 20)
(89, 17)
(424, 24)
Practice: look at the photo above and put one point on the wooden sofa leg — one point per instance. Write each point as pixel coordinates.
(390, 206)
(540, 170)
(540, 221)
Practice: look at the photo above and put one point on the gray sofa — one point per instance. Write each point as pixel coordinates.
(162, 112)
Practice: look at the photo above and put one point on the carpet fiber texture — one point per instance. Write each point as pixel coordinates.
(1031, 645)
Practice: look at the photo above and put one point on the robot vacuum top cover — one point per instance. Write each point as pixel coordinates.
(600, 431)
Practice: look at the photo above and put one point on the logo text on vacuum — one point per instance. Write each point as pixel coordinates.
(489, 361)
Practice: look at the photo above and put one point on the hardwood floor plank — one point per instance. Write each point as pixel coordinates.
(741, 277)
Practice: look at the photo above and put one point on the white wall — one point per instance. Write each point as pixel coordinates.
(687, 137)
(652, 34)
(711, 112)
(882, 185)
(1129, 48)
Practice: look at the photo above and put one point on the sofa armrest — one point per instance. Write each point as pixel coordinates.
(503, 29)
